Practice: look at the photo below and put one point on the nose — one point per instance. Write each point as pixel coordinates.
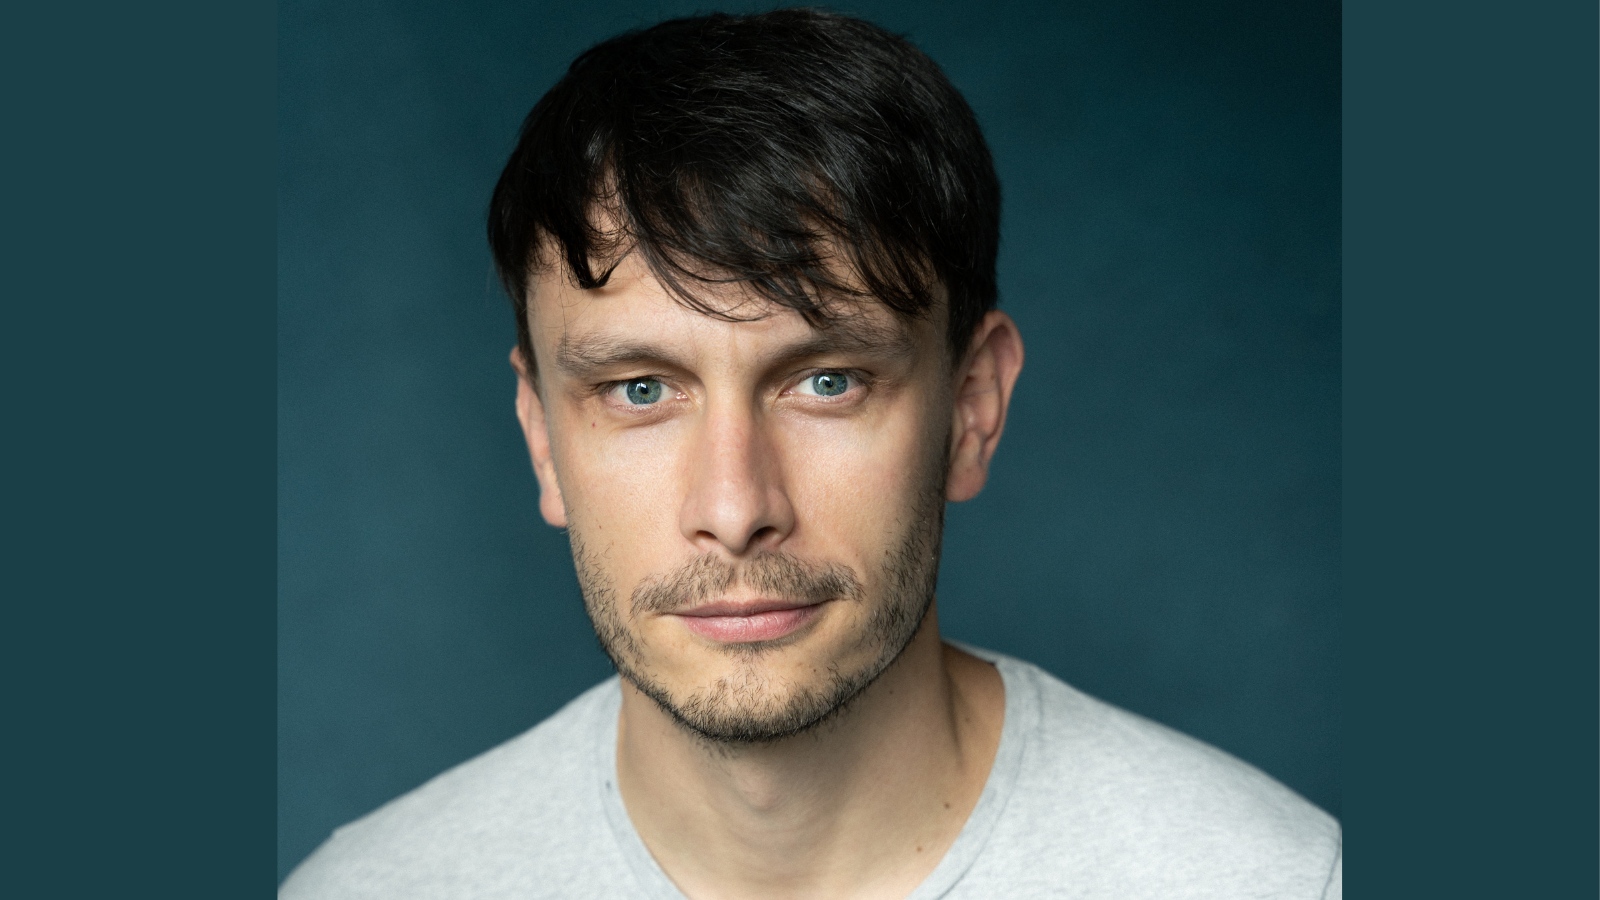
(736, 497)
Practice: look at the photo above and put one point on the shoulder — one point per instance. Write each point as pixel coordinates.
(507, 823)
(1158, 813)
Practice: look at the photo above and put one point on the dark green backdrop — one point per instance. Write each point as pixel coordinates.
(1162, 525)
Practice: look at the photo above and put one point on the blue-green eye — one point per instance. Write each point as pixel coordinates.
(643, 391)
(830, 384)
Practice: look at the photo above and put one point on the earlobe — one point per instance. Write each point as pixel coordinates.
(982, 395)
(536, 431)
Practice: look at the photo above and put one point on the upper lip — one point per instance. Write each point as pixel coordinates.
(742, 607)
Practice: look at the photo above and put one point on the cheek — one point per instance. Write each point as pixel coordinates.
(618, 487)
(858, 482)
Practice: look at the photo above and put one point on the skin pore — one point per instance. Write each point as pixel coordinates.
(830, 744)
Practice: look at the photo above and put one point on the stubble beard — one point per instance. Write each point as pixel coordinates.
(751, 705)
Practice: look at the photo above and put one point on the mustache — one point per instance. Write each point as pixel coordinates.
(779, 575)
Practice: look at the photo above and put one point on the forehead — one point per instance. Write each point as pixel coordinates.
(634, 310)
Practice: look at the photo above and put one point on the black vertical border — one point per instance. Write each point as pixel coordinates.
(1470, 448)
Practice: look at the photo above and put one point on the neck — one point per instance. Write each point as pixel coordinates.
(863, 806)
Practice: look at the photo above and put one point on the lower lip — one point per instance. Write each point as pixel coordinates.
(763, 626)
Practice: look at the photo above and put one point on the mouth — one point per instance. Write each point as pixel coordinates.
(748, 622)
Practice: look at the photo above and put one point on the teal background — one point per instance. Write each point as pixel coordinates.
(1162, 527)
(1471, 543)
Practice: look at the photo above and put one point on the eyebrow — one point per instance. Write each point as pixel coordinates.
(585, 355)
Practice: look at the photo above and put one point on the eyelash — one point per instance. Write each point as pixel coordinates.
(859, 381)
(605, 390)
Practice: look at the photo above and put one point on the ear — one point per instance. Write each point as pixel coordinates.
(983, 386)
(530, 412)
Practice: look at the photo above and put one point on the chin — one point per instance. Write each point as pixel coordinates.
(750, 706)
(755, 700)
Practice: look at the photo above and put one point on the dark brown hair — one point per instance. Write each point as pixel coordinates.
(748, 149)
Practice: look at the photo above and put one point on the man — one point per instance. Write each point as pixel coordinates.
(753, 262)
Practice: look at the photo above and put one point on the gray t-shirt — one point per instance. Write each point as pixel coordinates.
(1084, 801)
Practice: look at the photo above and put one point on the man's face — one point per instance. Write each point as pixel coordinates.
(754, 506)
